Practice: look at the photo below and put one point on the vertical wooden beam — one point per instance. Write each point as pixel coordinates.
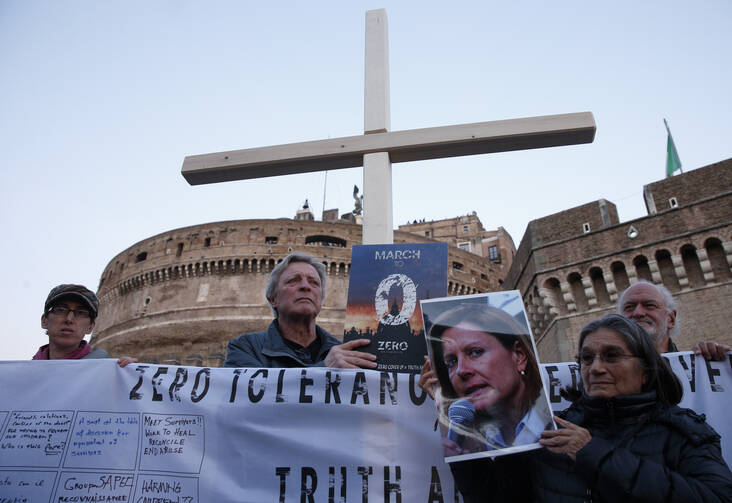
(376, 116)
(378, 223)
(377, 200)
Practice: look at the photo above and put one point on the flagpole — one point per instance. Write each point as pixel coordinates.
(673, 145)
(325, 187)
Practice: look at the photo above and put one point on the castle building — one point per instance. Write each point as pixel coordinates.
(180, 296)
(467, 233)
(571, 266)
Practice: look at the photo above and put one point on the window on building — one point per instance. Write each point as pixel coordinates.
(493, 254)
(620, 276)
(427, 233)
(465, 228)
(321, 240)
(642, 269)
(207, 242)
(717, 259)
(141, 256)
(668, 270)
(673, 203)
(556, 297)
(270, 240)
(597, 278)
(586, 227)
(465, 245)
(690, 259)
(457, 265)
(578, 292)
(179, 251)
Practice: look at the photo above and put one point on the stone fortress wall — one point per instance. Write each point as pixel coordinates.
(180, 296)
(571, 266)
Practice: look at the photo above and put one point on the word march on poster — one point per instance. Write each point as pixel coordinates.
(386, 284)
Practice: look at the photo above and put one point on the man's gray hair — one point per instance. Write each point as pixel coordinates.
(667, 298)
(274, 277)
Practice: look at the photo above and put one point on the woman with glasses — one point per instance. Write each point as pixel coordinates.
(623, 439)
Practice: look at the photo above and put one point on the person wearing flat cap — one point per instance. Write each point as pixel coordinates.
(69, 315)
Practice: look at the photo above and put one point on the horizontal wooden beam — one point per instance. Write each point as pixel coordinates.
(402, 146)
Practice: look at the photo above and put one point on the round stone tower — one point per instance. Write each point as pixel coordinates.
(180, 296)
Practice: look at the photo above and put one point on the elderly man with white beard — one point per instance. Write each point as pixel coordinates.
(654, 308)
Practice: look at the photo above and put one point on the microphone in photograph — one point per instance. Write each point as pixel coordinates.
(461, 414)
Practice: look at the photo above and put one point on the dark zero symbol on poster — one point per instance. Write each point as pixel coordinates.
(409, 301)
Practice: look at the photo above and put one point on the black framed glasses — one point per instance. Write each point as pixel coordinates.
(608, 357)
(64, 311)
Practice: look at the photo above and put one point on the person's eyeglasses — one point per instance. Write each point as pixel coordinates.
(608, 357)
(64, 311)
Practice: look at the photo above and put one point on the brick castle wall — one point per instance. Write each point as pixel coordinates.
(569, 277)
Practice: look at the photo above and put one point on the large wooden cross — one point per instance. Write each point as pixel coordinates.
(378, 147)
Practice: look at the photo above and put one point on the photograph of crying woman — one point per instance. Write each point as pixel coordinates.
(487, 385)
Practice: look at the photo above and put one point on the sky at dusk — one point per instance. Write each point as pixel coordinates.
(101, 101)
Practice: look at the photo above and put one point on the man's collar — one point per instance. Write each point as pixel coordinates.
(671, 346)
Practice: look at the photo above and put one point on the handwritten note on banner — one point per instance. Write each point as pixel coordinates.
(88, 431)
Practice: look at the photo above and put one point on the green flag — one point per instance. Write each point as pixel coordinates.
(673, 163)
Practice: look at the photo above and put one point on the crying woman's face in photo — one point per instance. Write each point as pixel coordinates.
(481, 369)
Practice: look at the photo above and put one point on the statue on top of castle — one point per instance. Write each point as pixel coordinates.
(358, 205)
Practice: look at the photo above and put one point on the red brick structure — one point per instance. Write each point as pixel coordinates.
(571, 266)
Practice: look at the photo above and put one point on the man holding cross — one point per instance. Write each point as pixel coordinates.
(295, 293)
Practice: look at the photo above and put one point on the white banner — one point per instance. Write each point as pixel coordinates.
(88, 431)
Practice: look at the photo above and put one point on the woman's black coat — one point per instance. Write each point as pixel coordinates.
(640, 451)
